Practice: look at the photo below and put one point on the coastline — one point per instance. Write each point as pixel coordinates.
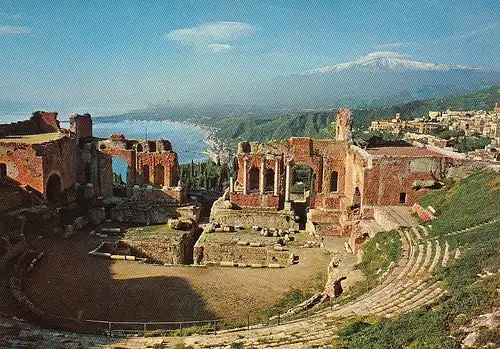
(217, 150)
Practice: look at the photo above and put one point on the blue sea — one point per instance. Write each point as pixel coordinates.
(187, 140)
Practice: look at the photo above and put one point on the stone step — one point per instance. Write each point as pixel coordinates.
(417, 234)
(437, 256)
(446, 255)
(428, 254)
(424, 230)
(420, 256)
(400, 305)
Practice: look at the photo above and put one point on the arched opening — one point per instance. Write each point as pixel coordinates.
(145, 174)
(119, 167)
(152, 147)
(402, 198)
(334, 182)
(301, 190)
(269, 179)
(302, 181)
(159, 175)
(3, 170)
(140, 149)
(53, 188)
(102, 146)
(253, 175)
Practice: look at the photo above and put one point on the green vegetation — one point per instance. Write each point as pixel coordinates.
(235, 129)
(461, 204)
(379, 252)
(117, 179)
(470, 144)
(206, 175)
(465, 203)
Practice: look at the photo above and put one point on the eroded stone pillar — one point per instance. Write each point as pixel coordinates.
(276, 176)
(262, 179)
(231, 185)
(245, 174)
(287, 182)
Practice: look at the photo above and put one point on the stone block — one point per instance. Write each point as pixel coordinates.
(273, 265)
(227, 264)
(97, 215)
(80, 222)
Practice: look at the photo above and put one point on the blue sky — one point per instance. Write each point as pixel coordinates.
(136, 53)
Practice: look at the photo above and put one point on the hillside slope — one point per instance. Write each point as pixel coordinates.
(468, 222)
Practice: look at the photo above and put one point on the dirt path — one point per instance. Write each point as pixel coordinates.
(69, 281)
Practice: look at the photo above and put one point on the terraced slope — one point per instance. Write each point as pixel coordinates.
(407, 286)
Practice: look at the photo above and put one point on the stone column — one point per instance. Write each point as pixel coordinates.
(245, 174)
(262, 179)
(231, 185)
(287, 182)
(276, 176)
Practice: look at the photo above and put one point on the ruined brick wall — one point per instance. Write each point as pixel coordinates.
(40, 122)
(80, 126)
(59, 157)
(23, 164)
(148, 162)
(255, 200)
(392, 175)
(324, 157)
(254, 217)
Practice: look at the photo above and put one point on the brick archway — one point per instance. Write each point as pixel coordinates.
(253, 176)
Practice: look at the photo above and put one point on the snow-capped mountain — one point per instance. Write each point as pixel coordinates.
(385, 61)
(378, 78)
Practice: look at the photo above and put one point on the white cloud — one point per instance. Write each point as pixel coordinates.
(391, 45)
(12, 15)
(13, 30)
(211, 32)
(220, 47)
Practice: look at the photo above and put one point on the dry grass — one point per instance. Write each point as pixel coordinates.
(33, 139)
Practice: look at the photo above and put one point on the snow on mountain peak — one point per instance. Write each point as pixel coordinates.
(384, 61)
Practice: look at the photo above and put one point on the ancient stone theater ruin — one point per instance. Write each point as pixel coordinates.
(346, 185)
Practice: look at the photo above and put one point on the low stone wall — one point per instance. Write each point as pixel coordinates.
(207, 253)
(148, 213)
(177, 251)
(254, 217)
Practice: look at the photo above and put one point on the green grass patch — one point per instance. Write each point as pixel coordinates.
(465, 203)
(378, 252)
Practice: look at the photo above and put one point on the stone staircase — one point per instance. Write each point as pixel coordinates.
(407, 286)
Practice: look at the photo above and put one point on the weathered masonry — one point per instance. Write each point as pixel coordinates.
(331, 182)
(59, 163)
